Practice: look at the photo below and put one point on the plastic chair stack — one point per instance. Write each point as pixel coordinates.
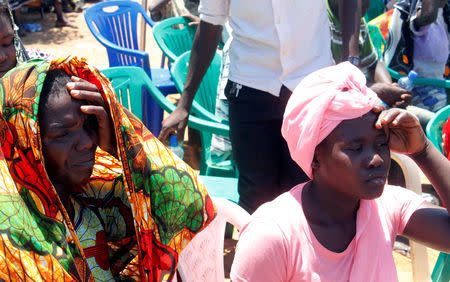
(114, 25)
(204, 107)
(131, 84)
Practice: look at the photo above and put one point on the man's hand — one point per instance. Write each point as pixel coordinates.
(83, 90)
(176, 122)
(403, 130)
(392, 95)
(194, 20)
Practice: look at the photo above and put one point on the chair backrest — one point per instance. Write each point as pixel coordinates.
(202, 259)
(435, 125)
(114, 25)
(128, 83)
(419, 256)
(174, 36)
(204, 104)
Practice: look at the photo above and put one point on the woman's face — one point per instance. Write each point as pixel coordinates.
(69, 139)
(355, 158)
(7, 49)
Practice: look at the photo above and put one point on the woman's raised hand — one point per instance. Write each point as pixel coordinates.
(403, 130)
(83, 90)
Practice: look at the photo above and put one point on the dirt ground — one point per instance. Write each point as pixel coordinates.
(80, 42)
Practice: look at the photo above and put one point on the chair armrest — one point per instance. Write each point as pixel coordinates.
(203, 113)
(148, 19)
(194, 122)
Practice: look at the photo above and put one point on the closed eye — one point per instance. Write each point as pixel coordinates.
(354, 148)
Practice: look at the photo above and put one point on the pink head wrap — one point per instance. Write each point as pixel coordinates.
(319, 103)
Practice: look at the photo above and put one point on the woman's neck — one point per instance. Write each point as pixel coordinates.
(329, 205)
(64, 191)
(331, 217)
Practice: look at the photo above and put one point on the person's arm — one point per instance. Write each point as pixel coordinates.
(261, 253)
(427, 14)
(203, 50)
(392, 94)
(381, 73)
(350, 19)
(428, 224)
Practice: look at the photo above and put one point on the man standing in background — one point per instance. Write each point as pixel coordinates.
(275, 44)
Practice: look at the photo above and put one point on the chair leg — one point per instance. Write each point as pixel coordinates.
(163, 60)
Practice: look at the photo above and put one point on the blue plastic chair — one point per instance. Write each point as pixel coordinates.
(114, 25)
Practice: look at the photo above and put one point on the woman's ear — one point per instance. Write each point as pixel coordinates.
(315, 162)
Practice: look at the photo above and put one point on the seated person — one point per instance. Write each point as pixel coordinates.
(11, 48)
(420, 43)
(341, 225)
(61, 19)
(431, 50)
(87, 192)
(12, 51)
(163, 9)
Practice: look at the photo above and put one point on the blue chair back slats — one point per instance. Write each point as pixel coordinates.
(114, 25)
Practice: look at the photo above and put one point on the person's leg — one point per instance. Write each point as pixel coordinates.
(61, 19)
(255, 132)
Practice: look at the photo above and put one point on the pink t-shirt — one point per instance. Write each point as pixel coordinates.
(278, 244)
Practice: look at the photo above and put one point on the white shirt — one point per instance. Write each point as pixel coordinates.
(275, 42)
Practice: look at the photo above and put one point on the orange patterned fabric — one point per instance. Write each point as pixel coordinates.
(152, 198)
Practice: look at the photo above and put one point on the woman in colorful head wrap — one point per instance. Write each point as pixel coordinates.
(11, 48)
(341, 225)
(87, 192)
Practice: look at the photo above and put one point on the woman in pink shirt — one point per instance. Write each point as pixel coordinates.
(341, 225)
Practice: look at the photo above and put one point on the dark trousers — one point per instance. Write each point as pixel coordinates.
(262, 156)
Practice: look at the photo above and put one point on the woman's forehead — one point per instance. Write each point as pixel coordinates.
(355, 129)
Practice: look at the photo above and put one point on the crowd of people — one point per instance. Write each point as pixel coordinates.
(87, 192)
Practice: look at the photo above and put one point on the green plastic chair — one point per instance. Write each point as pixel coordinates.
(174, 36)
(204, 106)
(435, 125)
(129, 83)
(441, 271)
(379, 43)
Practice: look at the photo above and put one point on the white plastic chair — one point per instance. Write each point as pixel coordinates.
(419, 256)
(202, 259)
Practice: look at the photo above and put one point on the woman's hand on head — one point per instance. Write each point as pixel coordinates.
(403, 130)
(83, 90)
